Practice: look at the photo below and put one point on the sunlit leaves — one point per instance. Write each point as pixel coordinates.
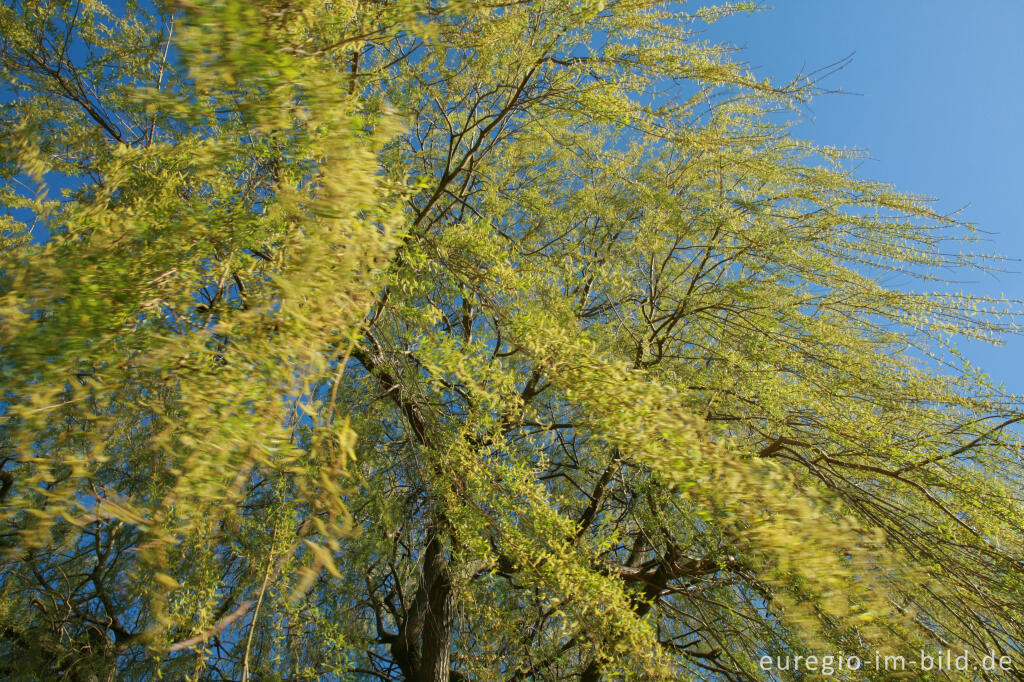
(524, 311)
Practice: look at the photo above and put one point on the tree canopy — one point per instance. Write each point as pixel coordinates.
(452, 340)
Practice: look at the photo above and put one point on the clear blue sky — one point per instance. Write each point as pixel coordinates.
(939, 106)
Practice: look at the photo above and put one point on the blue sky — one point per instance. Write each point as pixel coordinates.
(939, 105)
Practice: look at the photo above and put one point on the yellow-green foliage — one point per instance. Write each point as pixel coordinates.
(465, 340)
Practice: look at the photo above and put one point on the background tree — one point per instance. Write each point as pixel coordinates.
(451, 340)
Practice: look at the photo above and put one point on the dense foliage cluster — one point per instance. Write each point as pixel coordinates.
(436, 340)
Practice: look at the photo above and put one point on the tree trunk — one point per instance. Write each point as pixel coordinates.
(422, 648)
(440, 619)
(592, 673)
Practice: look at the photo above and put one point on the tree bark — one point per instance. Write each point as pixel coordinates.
(422, 648)
(440, 617)
(592, 673)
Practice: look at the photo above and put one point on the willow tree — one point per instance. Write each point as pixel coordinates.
(472, 341)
